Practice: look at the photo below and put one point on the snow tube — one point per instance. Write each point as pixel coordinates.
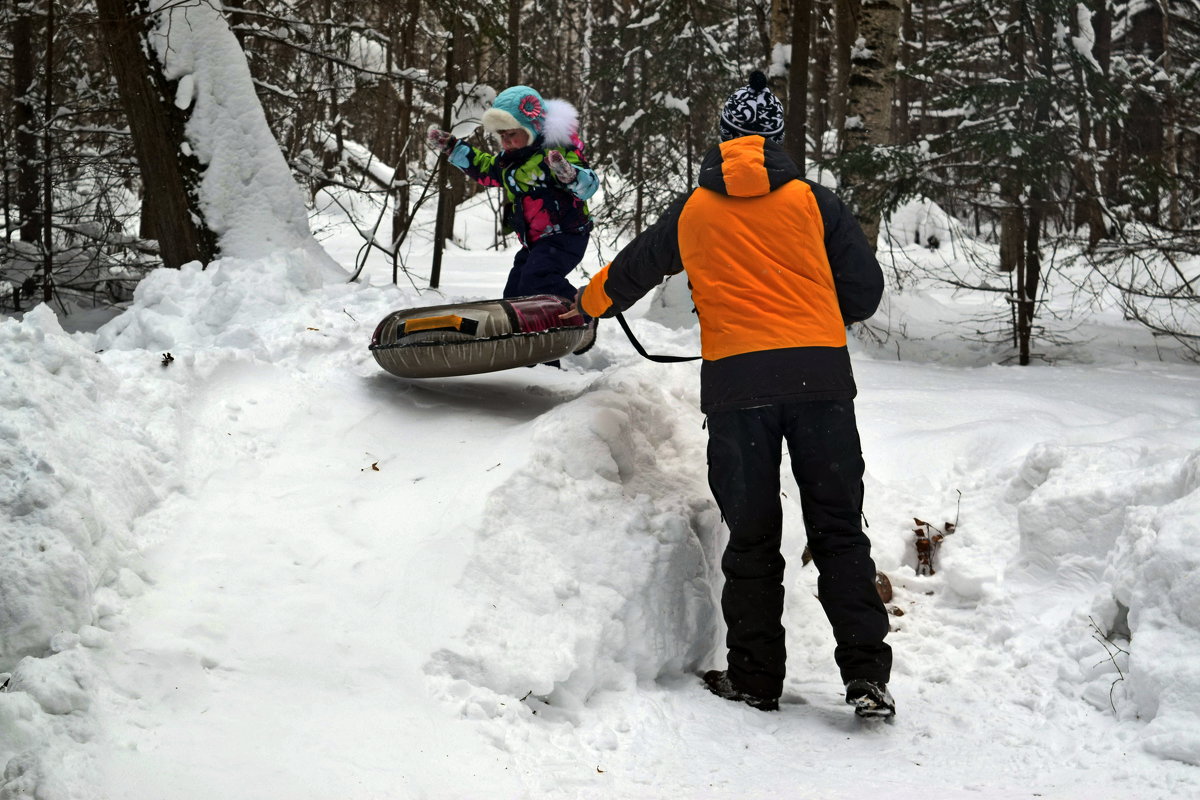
(477, 337)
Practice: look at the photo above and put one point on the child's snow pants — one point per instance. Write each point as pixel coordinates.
(542, 267)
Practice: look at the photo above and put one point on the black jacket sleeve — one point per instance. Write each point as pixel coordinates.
(856, 274)
(643, 263)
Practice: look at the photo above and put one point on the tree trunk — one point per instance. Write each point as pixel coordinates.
(781, 28)
(26, 139)
(1029, 275)
(514, 43)
(872, 90)
(1170, 154)
(845, 25)
(1088, 209)
(331, 159)
(406, 148)
(796, 134)
(48, 163)
(445, 213)
(1028, 268)
(902, 124)
(1144, 131)
(158, 135)
(819, 80)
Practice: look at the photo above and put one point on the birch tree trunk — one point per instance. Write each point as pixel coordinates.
(872, 90)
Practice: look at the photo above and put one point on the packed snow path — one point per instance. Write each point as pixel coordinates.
(300, 587)
(500, 586)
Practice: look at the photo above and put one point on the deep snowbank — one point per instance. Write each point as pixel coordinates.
(93, 434)
(66, 505)
(83, 455)
(612, 532)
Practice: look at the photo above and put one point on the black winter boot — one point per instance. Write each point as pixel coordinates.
(719, 684)
(870, 699)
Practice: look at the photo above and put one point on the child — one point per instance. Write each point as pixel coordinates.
(546, 185)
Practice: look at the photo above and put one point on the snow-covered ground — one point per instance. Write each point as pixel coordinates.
(265, 569)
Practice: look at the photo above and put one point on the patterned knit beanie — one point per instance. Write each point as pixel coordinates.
(752, 110)
(517, 107)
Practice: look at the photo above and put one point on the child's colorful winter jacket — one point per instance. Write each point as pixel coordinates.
(536, 204)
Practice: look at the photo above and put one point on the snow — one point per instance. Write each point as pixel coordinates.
(630, 120)
(680, 104)
(268, 569)
(263, 568)
(1085, 42)
(247, 194)
(467, 115)
(781, 59)
(644, 23)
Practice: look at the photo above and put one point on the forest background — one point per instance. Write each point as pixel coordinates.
(1064, 133)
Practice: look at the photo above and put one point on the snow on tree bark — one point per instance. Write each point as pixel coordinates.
(872, 89)
(246, 193)
(216, 175)
(169, 177)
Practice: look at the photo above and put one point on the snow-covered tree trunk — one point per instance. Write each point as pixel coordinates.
(1089, 74)
(170, 173)
(238, 188)
(872, 90)
(406, 147)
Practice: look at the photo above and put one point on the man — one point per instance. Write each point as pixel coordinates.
(778, 267)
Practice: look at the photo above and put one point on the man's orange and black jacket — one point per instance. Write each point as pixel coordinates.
(778, 266)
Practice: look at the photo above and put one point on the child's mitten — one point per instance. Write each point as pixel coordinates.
(440, 140)
(562, 170)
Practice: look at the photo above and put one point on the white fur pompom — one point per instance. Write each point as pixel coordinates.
(562, 121)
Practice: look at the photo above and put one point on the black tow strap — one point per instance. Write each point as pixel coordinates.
(638, 346)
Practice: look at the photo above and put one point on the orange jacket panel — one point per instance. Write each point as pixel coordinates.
(760, 277)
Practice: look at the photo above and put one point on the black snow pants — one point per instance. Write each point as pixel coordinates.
(744, 453)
